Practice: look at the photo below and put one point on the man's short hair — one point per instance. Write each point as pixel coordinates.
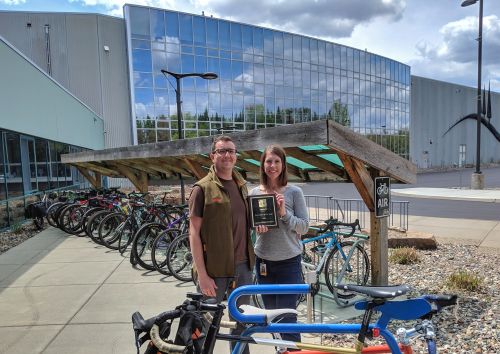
(224, 138)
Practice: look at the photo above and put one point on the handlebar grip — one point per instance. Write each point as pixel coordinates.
(167, 315)
(163, 346)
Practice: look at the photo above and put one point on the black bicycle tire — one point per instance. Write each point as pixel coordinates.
(111, 242)
(93, 225)
(122, 243)
(69, 227)
(162, 267)
(38, 222)
(138, 255)
(63, 216)
(50, 211)
(366, 266)
(187, 257)
(87, 216)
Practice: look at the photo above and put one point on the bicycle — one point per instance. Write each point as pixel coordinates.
(380, 300)
(340, 261)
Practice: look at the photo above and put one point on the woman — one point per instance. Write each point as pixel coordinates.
(279, 250)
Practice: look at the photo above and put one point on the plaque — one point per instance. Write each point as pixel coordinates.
(263, 210)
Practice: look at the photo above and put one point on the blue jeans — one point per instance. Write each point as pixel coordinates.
(287, 271)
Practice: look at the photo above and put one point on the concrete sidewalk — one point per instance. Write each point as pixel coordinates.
(485, 195)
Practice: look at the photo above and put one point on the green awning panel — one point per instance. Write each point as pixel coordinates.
(333, 158)
(299, 163)
(314, 147)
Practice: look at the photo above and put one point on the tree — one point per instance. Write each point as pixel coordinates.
(340, 113)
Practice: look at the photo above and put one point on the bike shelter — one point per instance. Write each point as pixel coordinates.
(319, 146)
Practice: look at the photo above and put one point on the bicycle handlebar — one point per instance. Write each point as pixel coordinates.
(163, 346)
(331, 223)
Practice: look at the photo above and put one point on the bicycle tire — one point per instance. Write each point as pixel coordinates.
(142, 243)
(110, 228)
(64, 218)
(180, 259)
(38, 222)
(87, 216)
(51, 213)
(127, 235)
(92, 230)
(359, 263)
(159, 251)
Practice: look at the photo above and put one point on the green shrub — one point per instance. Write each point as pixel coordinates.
(17, 227)
(464, 280)
(404, 255)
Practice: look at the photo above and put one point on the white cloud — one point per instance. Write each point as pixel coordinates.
(12, 2)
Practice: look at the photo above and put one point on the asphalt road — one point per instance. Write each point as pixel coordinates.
(427, 207)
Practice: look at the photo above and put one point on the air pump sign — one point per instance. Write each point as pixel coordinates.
(382, 196)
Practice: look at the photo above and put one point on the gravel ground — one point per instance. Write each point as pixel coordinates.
(9, 239)
(473, 325)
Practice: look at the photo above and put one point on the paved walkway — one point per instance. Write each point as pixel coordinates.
(491, 196)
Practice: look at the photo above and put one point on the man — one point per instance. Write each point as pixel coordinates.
(219, 232)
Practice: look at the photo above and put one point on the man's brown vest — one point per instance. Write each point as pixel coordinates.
(217, 228)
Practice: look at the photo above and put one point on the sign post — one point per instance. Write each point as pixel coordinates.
(382, 197)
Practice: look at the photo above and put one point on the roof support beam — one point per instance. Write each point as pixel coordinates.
(196, 168)
(95, 180)
(138, 178)
(315, 161)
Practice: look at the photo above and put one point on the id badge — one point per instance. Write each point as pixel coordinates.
(263, 269)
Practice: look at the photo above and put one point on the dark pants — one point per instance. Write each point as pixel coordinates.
(287, 271)
(242, 276)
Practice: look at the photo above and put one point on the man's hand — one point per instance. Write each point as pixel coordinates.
(207, 285)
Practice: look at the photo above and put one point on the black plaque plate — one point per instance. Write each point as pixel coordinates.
(263, 210)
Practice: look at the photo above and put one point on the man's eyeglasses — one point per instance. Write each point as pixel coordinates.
(223, 152)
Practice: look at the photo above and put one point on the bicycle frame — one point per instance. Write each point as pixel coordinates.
(402, 310)
(330, 246)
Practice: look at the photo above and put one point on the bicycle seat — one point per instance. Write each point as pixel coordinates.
(380, 292)
(270, 314)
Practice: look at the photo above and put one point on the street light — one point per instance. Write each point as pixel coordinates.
(477, 181)
(178, 77)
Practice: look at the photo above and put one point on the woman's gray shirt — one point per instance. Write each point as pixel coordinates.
(284, 242)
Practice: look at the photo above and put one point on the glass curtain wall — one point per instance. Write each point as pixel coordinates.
(266, 78)
(29, 166)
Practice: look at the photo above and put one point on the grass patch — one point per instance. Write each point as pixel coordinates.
(464, 280)
(17, 228)
(404, 255)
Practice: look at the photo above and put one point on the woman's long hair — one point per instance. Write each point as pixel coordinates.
(283, 177)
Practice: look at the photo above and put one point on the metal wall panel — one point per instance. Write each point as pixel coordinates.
(83, 59)
(79, 62)
(114, 81)
(435, 107)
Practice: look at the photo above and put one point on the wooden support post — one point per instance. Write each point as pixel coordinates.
(138, 178)
(95, 180)
(196, 169)
(379, 250)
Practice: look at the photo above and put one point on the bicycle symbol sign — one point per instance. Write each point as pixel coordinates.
(382, 197)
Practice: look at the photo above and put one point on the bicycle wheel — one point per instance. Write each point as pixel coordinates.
(127, 235)
(357, 270)
(161, 244)
(38, 222)
(143, 242)
(180, 259)
(110, 228)
(92, 230)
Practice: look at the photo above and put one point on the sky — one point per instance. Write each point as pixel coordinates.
(437, 38)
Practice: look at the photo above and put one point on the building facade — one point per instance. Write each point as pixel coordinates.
(265, 78)
(39, 121)
(444, 126)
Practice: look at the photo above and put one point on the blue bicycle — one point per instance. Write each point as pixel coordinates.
(196, 337)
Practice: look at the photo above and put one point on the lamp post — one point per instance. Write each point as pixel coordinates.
(178, 77)
(477, 180)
